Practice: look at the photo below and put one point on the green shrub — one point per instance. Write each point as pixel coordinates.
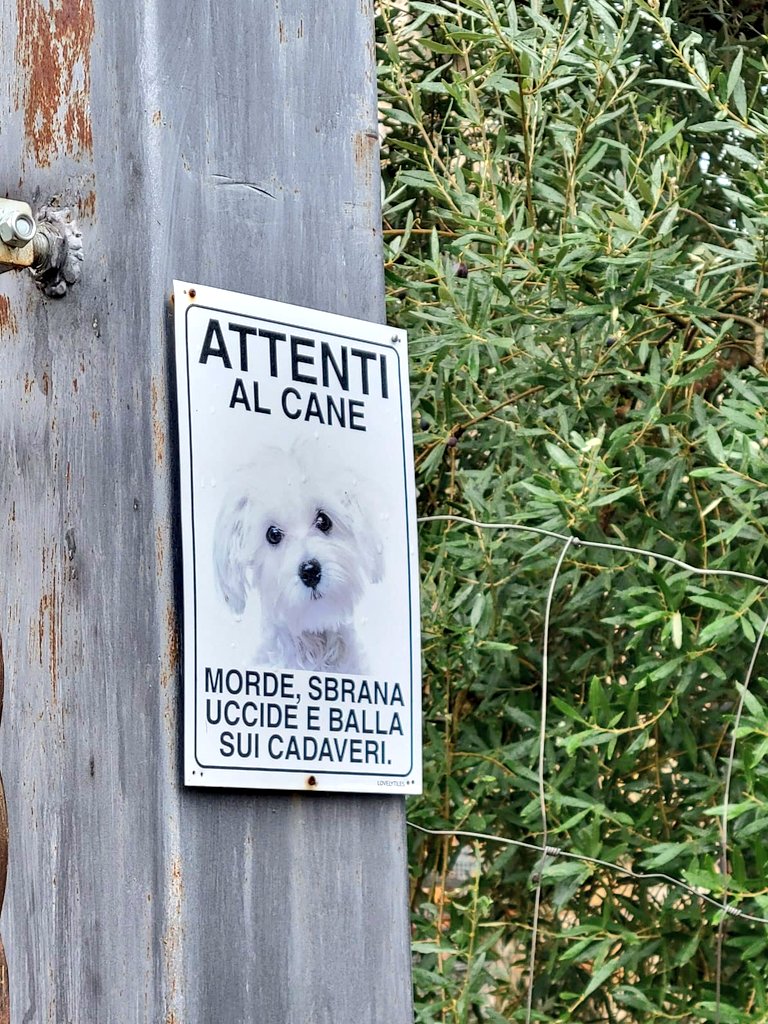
(575, 221)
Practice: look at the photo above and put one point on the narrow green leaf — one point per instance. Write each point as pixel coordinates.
(734, 73)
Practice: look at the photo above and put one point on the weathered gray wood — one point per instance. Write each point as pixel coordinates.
(232, 144)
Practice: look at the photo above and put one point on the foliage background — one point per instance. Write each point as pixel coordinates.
(575, 215)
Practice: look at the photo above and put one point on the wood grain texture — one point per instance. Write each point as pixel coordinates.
(234, 145)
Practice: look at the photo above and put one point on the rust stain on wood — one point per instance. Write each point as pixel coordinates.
(172, 937)
(282, 30)
(160, 549)
(8, 322)
(87, 205)
(365, 146)
(172, 647)
(158, 430)
(53, 48)
(49, 622)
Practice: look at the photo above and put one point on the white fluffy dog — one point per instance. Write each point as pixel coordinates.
(296, 533)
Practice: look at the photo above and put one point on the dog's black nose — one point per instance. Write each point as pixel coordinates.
(310, 572)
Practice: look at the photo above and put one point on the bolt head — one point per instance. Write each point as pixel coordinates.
(17, 225)
(25, 227)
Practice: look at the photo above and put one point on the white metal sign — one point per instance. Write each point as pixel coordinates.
(301, 604)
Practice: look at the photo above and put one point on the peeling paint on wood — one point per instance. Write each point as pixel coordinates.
(8, 321)
(158, 424)
(86, 207)
(54, 48)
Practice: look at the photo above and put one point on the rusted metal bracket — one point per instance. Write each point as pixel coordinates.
(50, 245)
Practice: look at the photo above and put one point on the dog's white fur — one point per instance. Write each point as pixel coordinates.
(304, 626)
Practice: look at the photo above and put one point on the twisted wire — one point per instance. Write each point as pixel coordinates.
(617, 869)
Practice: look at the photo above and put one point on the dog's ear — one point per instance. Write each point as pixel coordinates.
(373, 559)
(368, 538)
(232, 551)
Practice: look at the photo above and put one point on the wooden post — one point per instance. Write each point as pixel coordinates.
(235, 145)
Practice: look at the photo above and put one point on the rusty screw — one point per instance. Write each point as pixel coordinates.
(17, 225)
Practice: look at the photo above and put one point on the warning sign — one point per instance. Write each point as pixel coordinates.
(301, 604)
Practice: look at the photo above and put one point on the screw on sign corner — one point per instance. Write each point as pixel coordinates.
(311, 782)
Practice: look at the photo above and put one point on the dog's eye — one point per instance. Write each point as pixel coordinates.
(274, 536)
(323, 522)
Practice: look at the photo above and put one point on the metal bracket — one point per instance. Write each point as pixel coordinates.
(50, 245)
(15, 259)
(17, 229)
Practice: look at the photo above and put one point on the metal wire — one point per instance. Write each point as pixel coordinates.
(557, 851)
(578, 542)
(541, 778)
(724, 906)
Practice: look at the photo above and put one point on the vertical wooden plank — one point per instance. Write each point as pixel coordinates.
(236, 145)
(5, 1006)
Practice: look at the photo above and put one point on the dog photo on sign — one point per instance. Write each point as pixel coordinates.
(298, 535)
